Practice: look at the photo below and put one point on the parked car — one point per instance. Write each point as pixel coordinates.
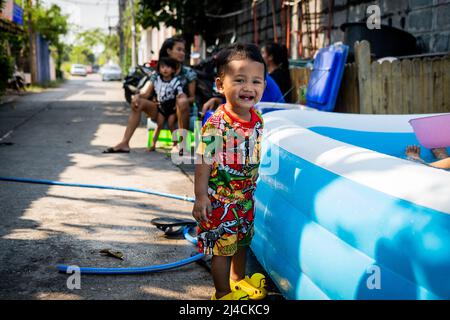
(78, 70)
(89, 69)
(111, 72)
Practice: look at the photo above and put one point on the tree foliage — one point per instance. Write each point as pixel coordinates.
(6, 61)
(50, 23)
(188, 16)
(82, 51)
(6, 64)
(91, 38)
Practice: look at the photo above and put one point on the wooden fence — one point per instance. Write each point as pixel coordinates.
(300, 78)
(404, 86)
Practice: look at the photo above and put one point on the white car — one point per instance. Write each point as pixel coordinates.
(78, 70)
(111, 72)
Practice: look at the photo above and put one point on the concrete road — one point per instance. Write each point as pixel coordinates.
(59, 135)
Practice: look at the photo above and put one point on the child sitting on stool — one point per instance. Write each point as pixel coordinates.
(167, 88)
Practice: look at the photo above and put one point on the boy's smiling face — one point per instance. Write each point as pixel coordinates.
(243, 83)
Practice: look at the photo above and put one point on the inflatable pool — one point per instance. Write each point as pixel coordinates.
(266, 107)
(340, 214)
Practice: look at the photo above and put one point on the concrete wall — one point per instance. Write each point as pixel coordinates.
(151, 41)
(52, 68)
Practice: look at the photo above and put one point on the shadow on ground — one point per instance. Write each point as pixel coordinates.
(43, 226)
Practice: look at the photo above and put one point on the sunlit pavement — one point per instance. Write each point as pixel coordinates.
(59, 135)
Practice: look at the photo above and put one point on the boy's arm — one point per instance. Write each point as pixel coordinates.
(205, 157)
(202, 206)
(202, 172)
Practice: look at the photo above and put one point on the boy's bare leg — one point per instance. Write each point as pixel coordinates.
(220, 269)
(142, 105)
(238, 263)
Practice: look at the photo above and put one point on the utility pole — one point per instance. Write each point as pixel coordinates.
(32, 37)
(122, 7)
(133, 36)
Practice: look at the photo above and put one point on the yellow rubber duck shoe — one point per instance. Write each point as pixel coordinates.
(233, 295)
(253, 286)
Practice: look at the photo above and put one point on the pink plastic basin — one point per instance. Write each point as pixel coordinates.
(433, 131)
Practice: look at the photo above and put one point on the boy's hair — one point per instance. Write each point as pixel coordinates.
(238, 51)
(166, 61)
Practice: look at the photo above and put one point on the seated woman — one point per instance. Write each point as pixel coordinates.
(276, 58)
(443, 162)
(173, 48)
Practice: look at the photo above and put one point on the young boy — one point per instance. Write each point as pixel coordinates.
(167, 88)
(226, 172)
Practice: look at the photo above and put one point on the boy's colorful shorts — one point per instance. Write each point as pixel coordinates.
(229, 227)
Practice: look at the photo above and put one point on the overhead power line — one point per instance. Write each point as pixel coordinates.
(232, 14)
(90, 3)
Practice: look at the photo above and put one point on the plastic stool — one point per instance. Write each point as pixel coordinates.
(165, 137)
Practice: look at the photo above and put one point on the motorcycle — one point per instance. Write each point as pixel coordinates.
(136, 79)
(206, 73)
(17, 81)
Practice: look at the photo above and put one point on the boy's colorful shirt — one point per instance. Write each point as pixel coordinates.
(232, 147)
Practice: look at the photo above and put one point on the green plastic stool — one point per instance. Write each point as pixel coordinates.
(165, 138)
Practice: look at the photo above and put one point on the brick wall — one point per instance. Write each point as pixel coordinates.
(427, 20)
(242, 24)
